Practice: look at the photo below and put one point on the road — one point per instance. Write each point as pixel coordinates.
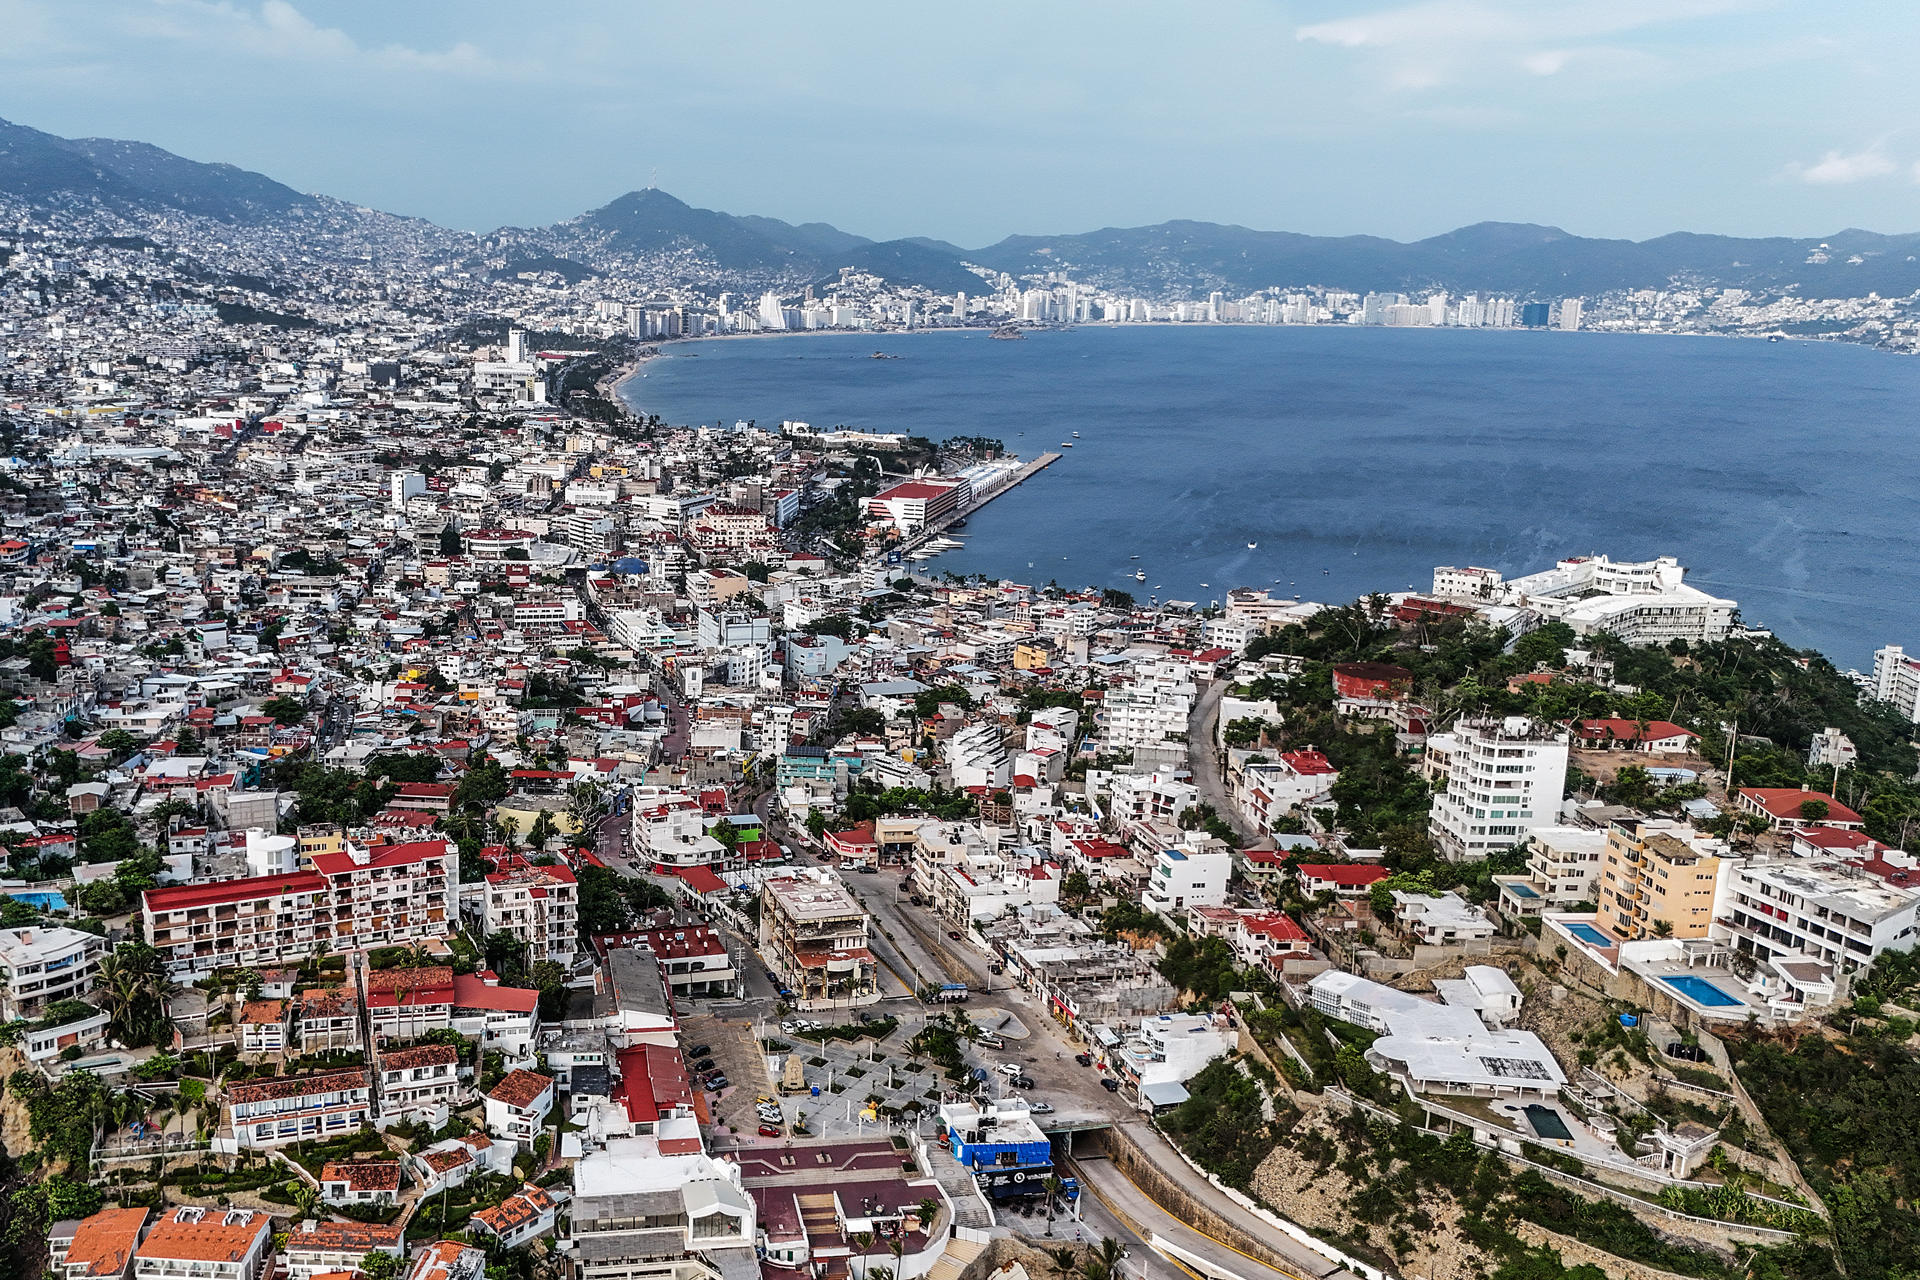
(1107, 1186)
(1205, 757)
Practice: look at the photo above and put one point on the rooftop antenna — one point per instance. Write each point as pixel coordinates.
(653, 177)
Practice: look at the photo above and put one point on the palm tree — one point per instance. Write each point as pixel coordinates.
(306, 1200)
(1104, 1262)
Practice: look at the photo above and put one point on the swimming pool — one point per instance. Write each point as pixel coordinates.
(1700, 991)
(42, 900)
(1519, 889)
(1588, 934)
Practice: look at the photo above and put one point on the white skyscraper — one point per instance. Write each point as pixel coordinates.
(771, 316)
(1570, 313)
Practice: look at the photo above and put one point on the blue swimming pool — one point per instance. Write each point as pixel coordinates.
(1589, 935)
(1700, 991)
(1520, 890)
(42, 900)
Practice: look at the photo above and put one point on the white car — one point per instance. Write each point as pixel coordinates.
(1008, 1069)
(1040, 1108)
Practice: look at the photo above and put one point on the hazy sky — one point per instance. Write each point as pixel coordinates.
(970, 121)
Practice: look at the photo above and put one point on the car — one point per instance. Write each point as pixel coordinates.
(765, 1100)
(987, 1040)
(771, 1131)
(1008, 1069)
(700, 1051)
(1109, 1084)
(705, 1065)
(1084, 1059)
(1040, 1108)
(716, 1083)
(954, 934)
(790, 1028)
(1023, 1082)
(1690, 1052)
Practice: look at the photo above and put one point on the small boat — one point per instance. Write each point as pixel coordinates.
(1076, 435)
(1133, 557)
(1139, 575)
(1066, 444)
(1252, 545)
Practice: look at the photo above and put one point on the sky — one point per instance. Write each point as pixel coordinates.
(972, 121)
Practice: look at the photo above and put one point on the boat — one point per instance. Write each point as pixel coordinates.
(1133, 557)
(1066, 444)
(1076, 435)
(1139, 575)
(1252, 545)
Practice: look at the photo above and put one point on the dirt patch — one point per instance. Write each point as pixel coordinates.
(1322, 1201)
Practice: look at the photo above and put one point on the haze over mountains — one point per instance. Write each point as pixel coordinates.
(138, 181)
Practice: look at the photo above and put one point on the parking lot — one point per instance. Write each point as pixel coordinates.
(735, 1052)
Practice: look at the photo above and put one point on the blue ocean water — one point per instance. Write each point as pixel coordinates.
(1785, 475)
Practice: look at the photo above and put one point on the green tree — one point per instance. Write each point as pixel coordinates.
(284, 710)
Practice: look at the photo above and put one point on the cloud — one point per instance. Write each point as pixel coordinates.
(277, 29)
(1457, 40)
(1836, 169)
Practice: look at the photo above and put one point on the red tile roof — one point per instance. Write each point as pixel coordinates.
(104, 1243)
(1785, 802)
(1354, 875)
(521, 1089)
(252, 889)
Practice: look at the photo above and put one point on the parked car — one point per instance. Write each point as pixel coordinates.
(1008, 1069)
(770, 1131)
(1109, 1084)
(716, 1083)
(1084, 1059)
(1040, 1108)
(700, 1051)
(987, 1040)
(1023, 1082)
(704, 1065)
(954, 934)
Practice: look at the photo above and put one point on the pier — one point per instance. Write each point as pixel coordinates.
(981, 498)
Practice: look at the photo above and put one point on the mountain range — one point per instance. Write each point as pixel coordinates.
(137, 180)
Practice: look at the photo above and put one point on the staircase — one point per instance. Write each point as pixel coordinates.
(949, 1264)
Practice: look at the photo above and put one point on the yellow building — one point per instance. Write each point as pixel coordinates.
(1658, 879)
(319, 837)
(1031, 657)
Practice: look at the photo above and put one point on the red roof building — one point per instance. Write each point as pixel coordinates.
(1784, 807)
(1346, 879)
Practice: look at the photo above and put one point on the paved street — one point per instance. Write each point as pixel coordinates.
(1205, 758)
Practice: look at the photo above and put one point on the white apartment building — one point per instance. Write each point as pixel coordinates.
(538, 905)
(1563, 867)
(1896, 681)
(977, 757)
(1841, 915)
(639, 1213)
(351, 901)
(1152, 707)
(1193, 876)
(283, 1109)
(1441, 920)
(1641, 602)
(517, 1108)
(1506, 778)
(1150, 797)
(41, 965)
(419, 1083)
(193, 1243)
